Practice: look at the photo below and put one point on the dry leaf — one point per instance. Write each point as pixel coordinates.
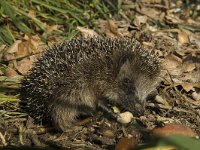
(31, 13)
(109, 28)
(8, 56)
(191, 76)
(29, 45)
(10, 72)
(24, 65)
(176, 81)
(188, 67)
(152, 13)
(87, 32)
(195, 38)
(14, 47)
(51, 28)
(187, 86)
(140, 20)
(197, 85)
(172, 63)
(113, 28)
(157, 3)
(160, 100)
(2, 47)
(183, 37)
(172, 19)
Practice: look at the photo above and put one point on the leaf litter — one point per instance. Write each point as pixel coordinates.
(170, 28)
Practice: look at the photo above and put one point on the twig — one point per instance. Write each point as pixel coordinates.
(3, 139)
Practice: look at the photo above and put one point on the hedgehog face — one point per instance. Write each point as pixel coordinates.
(128, 89)
(134, 91)
(128, 96)
(132, 86)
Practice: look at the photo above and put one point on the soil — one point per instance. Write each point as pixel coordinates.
(157, 26)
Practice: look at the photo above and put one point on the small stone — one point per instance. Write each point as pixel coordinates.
(196, 96)
(125, 117)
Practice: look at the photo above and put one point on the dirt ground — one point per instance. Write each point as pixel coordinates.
(171, 30)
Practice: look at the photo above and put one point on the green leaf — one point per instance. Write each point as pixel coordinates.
(6, 35)
(60, 10)
(8, 9)
(173, 142)
(35, 20)
(21, 26)
(182, 142)
(11, 12)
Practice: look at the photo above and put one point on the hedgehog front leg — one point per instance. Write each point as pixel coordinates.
(63, 117)
(106, 110)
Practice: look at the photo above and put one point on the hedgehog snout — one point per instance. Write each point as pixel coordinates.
(139, 109)
(134, 104)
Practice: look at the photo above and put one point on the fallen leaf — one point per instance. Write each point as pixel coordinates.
(14, 47)
(152, 13)
(187, 86)
(195, 38)
(189, 67)
(31, 13)
(29, 45)
(193, 77)
(172, 18)
(175, 81)
(10, 72)
(87, 32)
(160, 100)
(140, 20)
(51, 28)
(2, 47)
(173, 64)
(8, 56)
(24, 65)
(108, 27)
(113, 28)
(183, 37)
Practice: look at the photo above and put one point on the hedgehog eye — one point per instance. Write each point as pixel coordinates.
(126, 82)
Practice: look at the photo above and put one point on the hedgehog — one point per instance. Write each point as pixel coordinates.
(84, 75)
